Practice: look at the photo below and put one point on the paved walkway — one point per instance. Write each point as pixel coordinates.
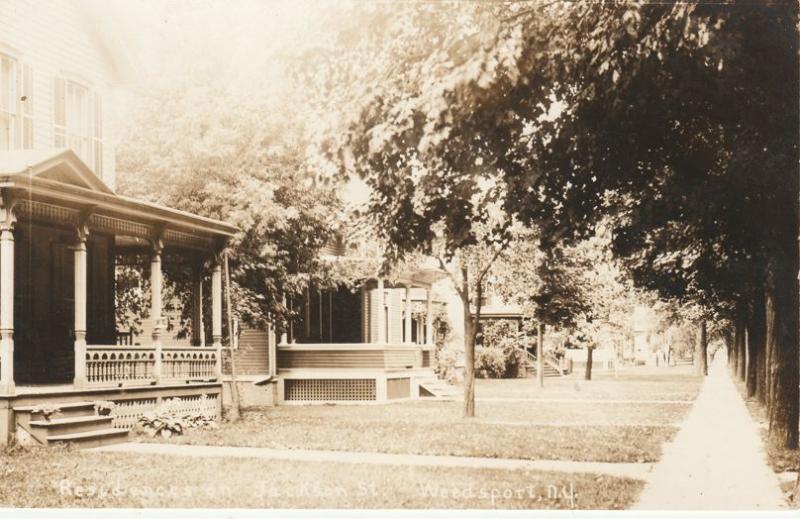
(583, 400)
(631, 470)
(717, 460)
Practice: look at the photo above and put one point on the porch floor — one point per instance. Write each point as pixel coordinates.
(43, 389)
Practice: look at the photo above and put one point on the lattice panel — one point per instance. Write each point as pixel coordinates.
(127, 412)
(120, 227)
(202, 404)
(348, 389)
(188, 240)
(32, 210)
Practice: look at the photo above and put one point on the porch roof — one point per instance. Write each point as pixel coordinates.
(59, 176)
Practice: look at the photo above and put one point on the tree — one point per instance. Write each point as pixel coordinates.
(657, 114)
(208, 147)
(472, 260)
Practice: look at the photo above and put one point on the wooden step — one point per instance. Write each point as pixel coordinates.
(67, 409)
(88, 439)
(70, 425)
(436, 388)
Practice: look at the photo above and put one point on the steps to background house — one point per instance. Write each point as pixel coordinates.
(76, 423)
(549, 371)
(436, 388)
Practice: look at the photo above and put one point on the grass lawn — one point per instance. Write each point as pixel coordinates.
(779, 459)
(575, 430)
(389, 429)
(678, 383)
(58, 477)
(576, 443)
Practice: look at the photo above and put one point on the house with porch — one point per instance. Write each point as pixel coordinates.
(64, 232)
(370, 341)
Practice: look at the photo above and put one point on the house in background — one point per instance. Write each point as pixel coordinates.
(374, 343)
(63, 234)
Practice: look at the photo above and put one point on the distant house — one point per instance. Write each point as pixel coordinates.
(63, 233)
(371, 343)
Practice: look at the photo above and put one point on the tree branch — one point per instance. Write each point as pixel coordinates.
(456, 284)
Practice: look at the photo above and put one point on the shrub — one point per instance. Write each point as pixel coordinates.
(490, 362)
(168, 419)
(104, 407)
(445, 367)
(515, 361)
(505, 335)
(46, 410)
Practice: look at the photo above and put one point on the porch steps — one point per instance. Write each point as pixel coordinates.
(75, 423)
(67, 409)
(549, 371)
(89, 439)
(436, 388)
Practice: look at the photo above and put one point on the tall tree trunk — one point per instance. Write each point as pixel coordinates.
(783, 321)
(769, 376)
(540, 354)
(756, 339)
(470, 332)
(589, 351)
(741, 342)
(236, 407)
(735, 349)
(701, 351)
(761, 369)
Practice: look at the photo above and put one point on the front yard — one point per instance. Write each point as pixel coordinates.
(606, 420)
(372, 429)
(66, 478)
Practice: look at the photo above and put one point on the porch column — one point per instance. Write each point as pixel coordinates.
(407, 318)
(284, 334)
(429, 318)
(79, 380)
(307, 314)
(198, 326)
(155, 303)
(380, 337)
(272, 353)
(7, 300)
(216, 312)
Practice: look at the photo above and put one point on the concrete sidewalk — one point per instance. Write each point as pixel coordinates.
(717, 459)
(629, 470)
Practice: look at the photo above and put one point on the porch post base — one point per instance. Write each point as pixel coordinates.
(158, 363)
(79, 381)
(7, 385)
(217, 345)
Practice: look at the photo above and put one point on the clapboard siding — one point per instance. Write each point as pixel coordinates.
(330, 359)
(168, 337)
(346, 358)
(55, 38)
(252, 357)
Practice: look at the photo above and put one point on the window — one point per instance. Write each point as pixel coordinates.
(97, 135)
(8, 102)
(27, 107)
(78, 122)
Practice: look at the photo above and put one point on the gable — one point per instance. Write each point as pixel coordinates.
(62, 166)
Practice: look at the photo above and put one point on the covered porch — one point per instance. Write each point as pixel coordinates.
(390, 354)
(63, 235)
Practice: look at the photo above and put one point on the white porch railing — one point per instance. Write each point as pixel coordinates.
(136, 365)
(189, 363)
(113, 364)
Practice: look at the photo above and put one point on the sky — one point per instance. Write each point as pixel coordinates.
(248, 35)
(245, 42)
